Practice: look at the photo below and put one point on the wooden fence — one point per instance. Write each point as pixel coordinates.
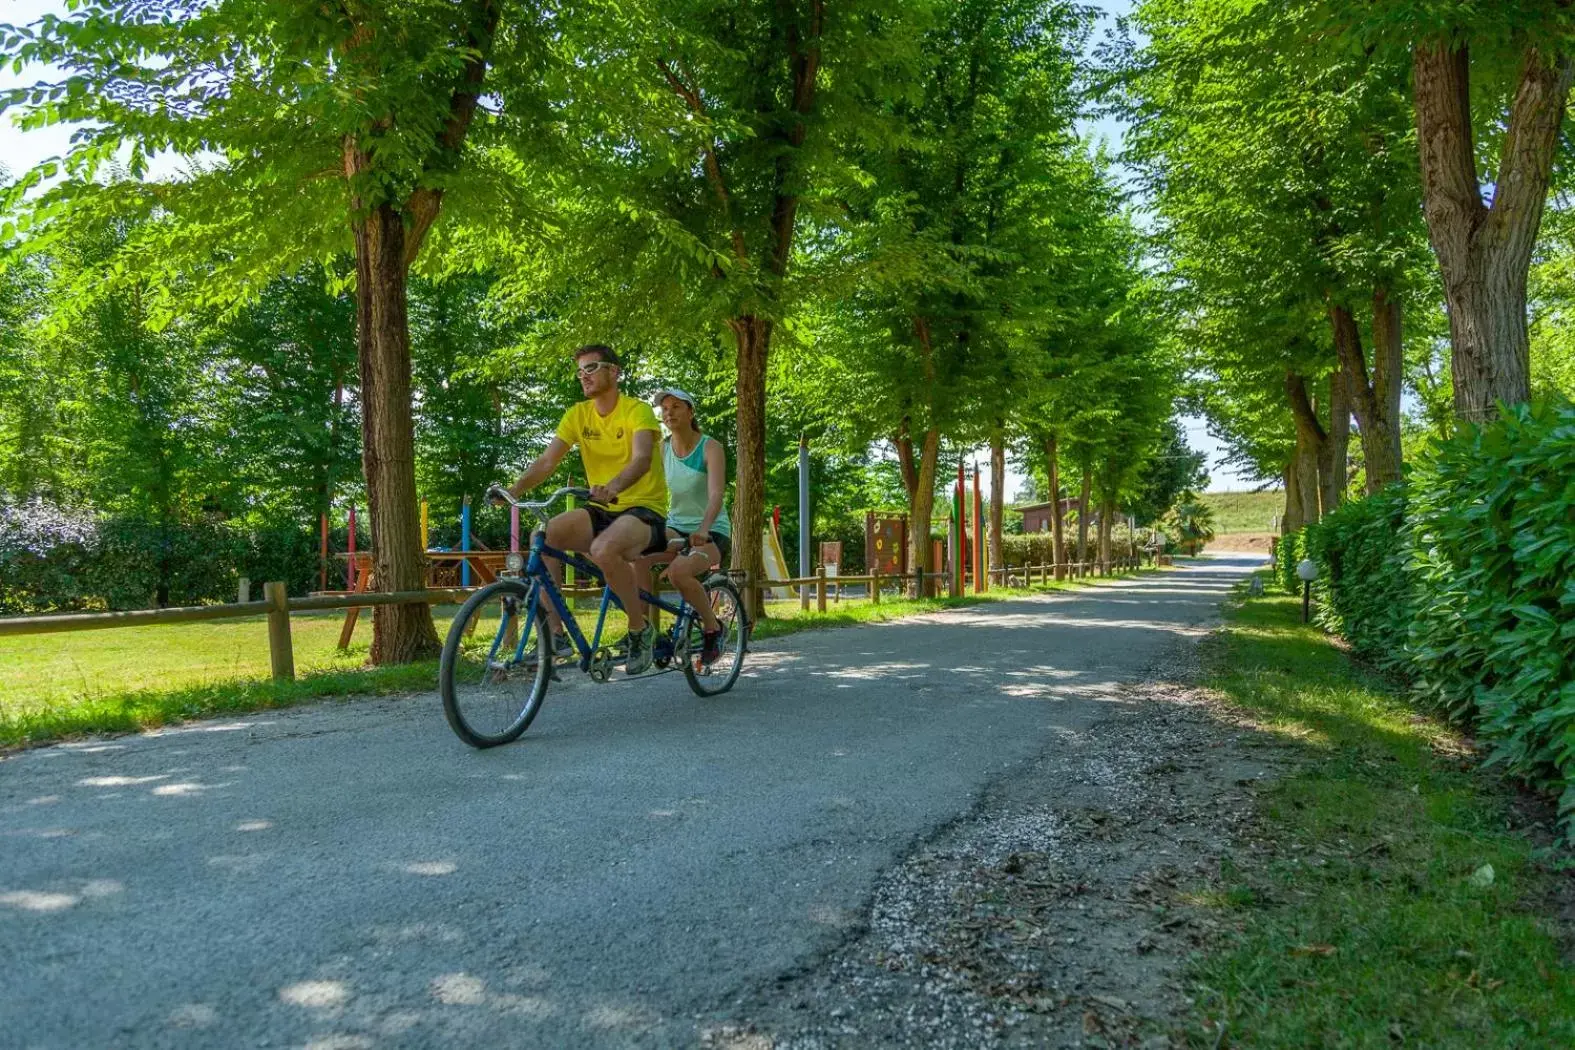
(277, 605)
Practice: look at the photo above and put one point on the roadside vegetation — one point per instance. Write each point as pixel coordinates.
(1393, 895)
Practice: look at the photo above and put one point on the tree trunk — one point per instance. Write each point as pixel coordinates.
(400, 633)
(922, 507)
(903, 443)
(1484, 253)
(1375, 397)
(1057, 522)
(1311, 443)
(1295, 512)
(754, 342)
(1082, 516)
(1334, 465)
(997, 497)
(1307, 479)
(1107, 529)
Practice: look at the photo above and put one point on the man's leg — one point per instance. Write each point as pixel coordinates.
(569, 531)
(619, 544)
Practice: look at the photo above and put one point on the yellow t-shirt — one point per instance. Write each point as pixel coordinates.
(607, 445)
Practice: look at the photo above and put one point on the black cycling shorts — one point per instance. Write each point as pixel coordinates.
(724, 543)
(601, 518)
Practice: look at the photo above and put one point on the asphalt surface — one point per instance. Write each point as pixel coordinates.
(351, 875)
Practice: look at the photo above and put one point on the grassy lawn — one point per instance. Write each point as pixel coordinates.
(1244, 511)
(54, 686)
(1374, 921)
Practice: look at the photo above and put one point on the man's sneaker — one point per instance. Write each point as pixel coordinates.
(640, 654)
(710, 647)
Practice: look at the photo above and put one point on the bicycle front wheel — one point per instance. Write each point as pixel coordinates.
(719, 675)
(496, 665)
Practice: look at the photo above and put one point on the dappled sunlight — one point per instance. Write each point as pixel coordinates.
(871, 671)
(120, 781)
(430, 867)
(459, 989)
(184, 789)
(37, 900)
(315, 995)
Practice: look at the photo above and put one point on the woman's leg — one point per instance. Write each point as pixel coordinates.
(685, 573)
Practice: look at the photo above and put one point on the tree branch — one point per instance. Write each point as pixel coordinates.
(713, 167)
(1530, 139)
(424, 203)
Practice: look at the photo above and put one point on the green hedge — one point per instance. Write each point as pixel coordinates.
(54, 558)
(1364, 591)
(1463, 580)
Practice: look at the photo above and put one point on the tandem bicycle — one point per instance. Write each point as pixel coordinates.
(499, 657)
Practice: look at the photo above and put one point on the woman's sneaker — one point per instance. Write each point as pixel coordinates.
(640, 654)
(710, 647)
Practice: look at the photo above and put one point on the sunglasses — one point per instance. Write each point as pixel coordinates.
(590, 368)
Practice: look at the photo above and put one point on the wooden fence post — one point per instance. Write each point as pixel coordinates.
(874, 589)
(281, 654)
(820, 589)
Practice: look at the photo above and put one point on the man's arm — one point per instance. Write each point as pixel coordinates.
(541, 469)
(639, 463)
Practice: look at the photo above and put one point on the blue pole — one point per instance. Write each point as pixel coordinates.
(464, 541)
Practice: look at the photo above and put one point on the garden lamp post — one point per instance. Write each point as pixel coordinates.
(1307, 570)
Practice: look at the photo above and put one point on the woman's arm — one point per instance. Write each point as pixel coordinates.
(716, 484)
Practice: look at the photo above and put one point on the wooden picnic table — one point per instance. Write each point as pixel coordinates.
(484, 564)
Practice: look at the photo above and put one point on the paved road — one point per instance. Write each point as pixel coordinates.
(353, 876)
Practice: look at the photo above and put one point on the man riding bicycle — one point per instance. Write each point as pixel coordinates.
(617, 437)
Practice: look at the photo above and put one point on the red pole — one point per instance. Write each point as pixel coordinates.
(514, 528)
(322, 556)
(962, 524)
(980, 579)
(350, 565)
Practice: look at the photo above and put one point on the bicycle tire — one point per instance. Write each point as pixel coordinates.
(729, 606)
(457, 659)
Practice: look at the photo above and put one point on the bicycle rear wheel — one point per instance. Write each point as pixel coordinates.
(496, 665)
(719, 676)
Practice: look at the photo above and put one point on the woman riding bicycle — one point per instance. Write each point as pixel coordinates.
(696, 470)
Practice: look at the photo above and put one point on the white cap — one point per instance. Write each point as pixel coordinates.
(672, 391)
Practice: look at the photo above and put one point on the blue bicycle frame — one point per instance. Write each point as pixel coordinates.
(541, 583)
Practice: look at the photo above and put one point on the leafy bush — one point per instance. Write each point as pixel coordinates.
(1033, 548)
(1493, 563)
(1191, 521)
(1288, 552)
(57, 558)
(1463, 580)
(45, 551)
(1363, 590)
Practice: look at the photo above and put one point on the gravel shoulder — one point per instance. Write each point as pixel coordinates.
(1058, 912)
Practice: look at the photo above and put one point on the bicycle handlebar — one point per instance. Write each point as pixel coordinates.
(538, 507)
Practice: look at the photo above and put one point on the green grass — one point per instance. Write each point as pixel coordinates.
(55, 686)
(1364, 926)
(1244, 511)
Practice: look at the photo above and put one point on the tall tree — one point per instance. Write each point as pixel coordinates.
(699, 133)
(308, 132)
(1489, 87)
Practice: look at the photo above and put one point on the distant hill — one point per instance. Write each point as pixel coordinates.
(1244, 511)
